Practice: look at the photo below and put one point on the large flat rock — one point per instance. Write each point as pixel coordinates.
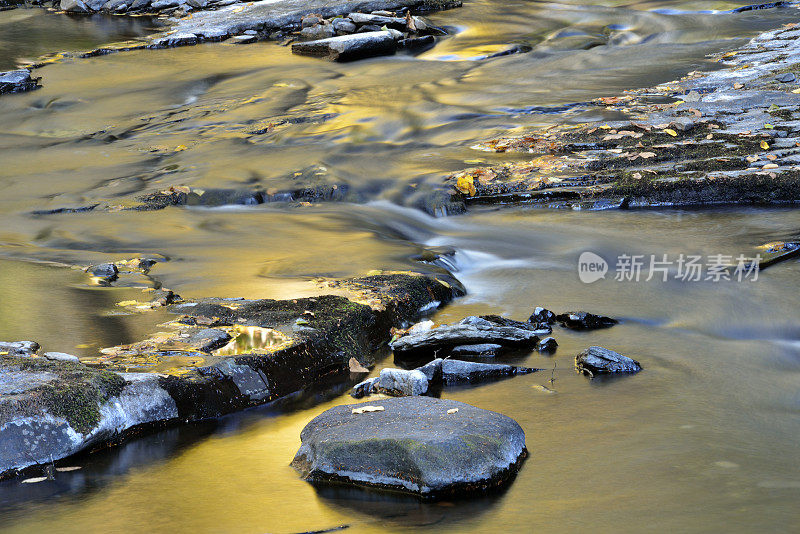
(271, 15)
(420, 445)
(223, 355)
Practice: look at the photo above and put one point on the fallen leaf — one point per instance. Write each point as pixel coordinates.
(466, 185)
(769, 127)
(751, 159)
(671, 132)
(452, 411)
(770, 166)
(647, 155)
(356, 367)
(180, 148)
(710, 136)
(365, 409)
(796, 91)
(636, 176)
(738, 85)
(764, 145)
(68, 469)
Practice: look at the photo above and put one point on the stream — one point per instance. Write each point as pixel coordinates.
(705, 436)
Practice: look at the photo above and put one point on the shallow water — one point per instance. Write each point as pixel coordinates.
(704, 439)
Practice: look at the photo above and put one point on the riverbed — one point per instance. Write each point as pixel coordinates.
(704, 438)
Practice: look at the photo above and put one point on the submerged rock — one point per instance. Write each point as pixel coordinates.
(599, 360)
(489, 329)
(428, 447)
(17, 81)
(547, 344)
(584, 321)
(105, 271)
(349, 47)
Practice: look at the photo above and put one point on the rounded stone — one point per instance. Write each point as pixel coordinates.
(421, 445)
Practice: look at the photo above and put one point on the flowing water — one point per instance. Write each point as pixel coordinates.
(703, 440)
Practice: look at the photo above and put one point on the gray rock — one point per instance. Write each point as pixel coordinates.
(319, 31)
(349, 47)
(417, 44)
(481, 349)
(362, 389)
(106, 271)
(137, 5)
(548, 344)
(113, 5)
(61, 357)
(249, 32)
(74, 6)
(17, 81)
(455, 371)
(310, 20)
(158, 5)
(786, 77)
(197, 4)
(401, 383)
(343, 26)
(440, 341)
(367, 28)
(362, 19)
(175, 39)
(243, 39)
(599, 360)
(18, 348)
(584, 321)
(413, 445)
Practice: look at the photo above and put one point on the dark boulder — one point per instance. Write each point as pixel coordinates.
(488, 329)
(584, 321)
(429, 447)
(548, 344)
(18, 348)
(599, 360)
(542, 316)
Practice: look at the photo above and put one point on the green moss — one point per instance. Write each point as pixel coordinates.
(75, 394)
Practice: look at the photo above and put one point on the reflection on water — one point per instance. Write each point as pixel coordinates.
(704, 436)
(250, 338)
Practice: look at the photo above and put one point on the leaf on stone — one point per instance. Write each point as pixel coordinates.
(356, 367)
(770, 166)
(466, 185)
(671, 132)
(180, 148)
(68, 469)
(771, 157)
(34, 480)
(738, 85)
(751, 159)
(647, 155)
(764, 145)
(365, 409)
(452, 411)
(769, 127)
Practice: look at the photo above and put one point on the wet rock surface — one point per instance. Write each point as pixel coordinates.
(433, 375)
(428, 447)
(723, 137)
(17, 81)
(220, 356)
(584, 321)
(488, 329)
(349, 47)
(599, 360)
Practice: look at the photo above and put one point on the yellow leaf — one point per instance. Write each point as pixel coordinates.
(364, 409)
(796, 91)
(180, 148)
(671, 132)
(127, 303)
(764, 145)
(769, 126)
(466, 185)
(770, 166)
